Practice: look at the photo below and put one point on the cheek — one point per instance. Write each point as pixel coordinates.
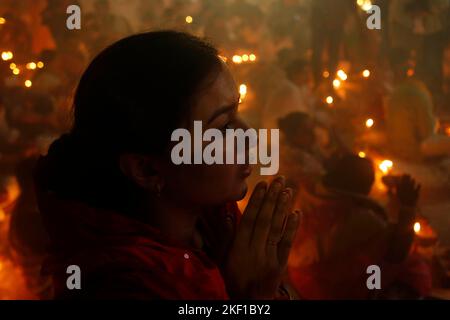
(208, 185)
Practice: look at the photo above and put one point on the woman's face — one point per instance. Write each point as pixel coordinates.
(204, 185)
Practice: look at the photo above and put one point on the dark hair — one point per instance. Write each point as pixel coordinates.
(130, 99)
(350, 173)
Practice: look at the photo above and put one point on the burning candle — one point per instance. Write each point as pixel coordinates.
(40, 64)
(16, 71)
(237, 59)
(31, 66)
(417, 227)
(361, 154)
(336, 83)
(366, 73)
(243, 92)
(2, 20)
(369, 123)
(341, 74)
(189, 19)
(28, 83)
(7, 55)
(329, 100)
(386, 166)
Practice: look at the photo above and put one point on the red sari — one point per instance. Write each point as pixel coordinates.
(122, 258)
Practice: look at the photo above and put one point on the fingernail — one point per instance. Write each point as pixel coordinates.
(285, 195)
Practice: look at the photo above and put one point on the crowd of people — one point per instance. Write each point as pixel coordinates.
(364, 117)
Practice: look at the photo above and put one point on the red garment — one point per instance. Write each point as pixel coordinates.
(122, 258)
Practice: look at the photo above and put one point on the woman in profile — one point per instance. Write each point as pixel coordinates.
(138, 226)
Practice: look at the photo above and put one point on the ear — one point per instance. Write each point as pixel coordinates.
(142, 169)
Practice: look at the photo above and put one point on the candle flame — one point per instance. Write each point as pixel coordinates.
(28, 83)
(386, 166)
(369, 123)
(417, 227)
(189, 19)
(362, 154)
(326, 74)
(336, 83)
(366, 73)
(341, 74)
(7, 55)
(329, 100)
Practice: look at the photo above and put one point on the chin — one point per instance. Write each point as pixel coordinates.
(242, 191)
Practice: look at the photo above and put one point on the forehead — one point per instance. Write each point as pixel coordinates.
(221, 92)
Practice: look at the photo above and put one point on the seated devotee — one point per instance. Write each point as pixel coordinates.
(300, 158)
(343, 232)
(410, 120)
(137, 225)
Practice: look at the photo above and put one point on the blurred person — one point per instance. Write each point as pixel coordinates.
(327, 24)
(138, 226)
(344, 231)
(410, 119)
(300, 159)
(291, 94)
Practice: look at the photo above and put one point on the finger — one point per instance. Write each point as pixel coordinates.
(248, 220)
(278, 221)
(284, 247)
(264, 219)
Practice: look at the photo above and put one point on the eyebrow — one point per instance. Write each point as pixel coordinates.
(222, 110)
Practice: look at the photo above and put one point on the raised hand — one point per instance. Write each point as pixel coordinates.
(261, 247)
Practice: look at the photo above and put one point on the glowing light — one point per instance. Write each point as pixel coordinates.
(417, 227)
(28, 83)
(326, 74)
(329, 100)
(447, 131)
(252, 57)
(341, 74)
(245, 57)
(237, 59)
(189, 19)
(336, 83)
(7, 55)
(40, 64)
(16, 71)
(366, 73)
(31, 66)
(365, 5)
(12, 66)
(243, 92)
(2, 20)
(386, 166)
(410, 72)
(361, 154)
(369, 123)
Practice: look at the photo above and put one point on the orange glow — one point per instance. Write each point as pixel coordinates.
(369, 123)
(341, 74)
(326, 74)
(410, 72)
(31, 66)
(336, 83)
(252, 57)
(189, 19)
(28, 83)
(237, 59)
(366, 73)
(417, 227)
(329, 100)
(386, 166)
(362, 154)
(7, 55)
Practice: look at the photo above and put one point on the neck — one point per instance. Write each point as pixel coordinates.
(177, 222)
